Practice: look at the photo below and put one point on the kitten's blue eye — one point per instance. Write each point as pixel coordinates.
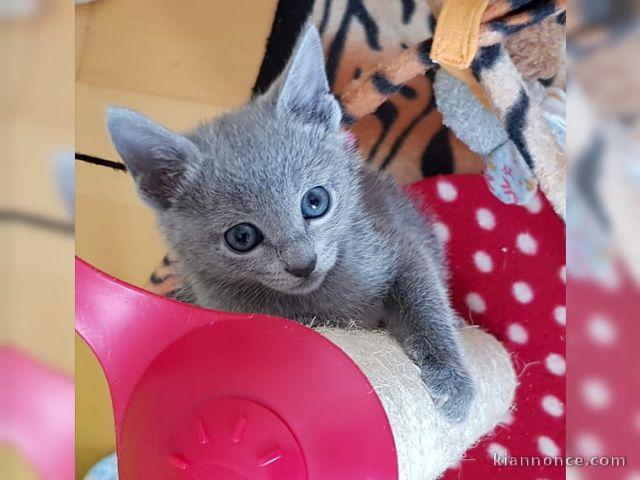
(243, 237)
(315, 203)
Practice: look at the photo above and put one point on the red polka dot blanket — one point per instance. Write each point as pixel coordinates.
(508, 276)
(604, 387)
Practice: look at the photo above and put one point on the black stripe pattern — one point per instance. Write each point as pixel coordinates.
(515, 122)
(485, 59)
(424, 53)
(437, 158)
(383, 85)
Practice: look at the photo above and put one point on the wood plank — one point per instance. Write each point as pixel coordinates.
(115, 231)
(37, 293)
(200, 51)
(82, 20)
(36, 123)
(95, 431)
(92, 101)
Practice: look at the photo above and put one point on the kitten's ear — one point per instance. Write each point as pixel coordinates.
(157, 158)
(304, 92)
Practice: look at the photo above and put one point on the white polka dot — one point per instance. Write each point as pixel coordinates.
(553, 405)
(522, 292)
(601, 330)
(476, 303)
(483, 261)
(447, 191)
(560, 314)
(497, 450)
(517, 333)
(556, 364)
(548, 447)
(534, 205)
(485, 219)
(563, 274)
(596, 394)
(441, 232)
(527, 244)
(588, 445)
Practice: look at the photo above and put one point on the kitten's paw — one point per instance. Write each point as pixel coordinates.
(451, 389)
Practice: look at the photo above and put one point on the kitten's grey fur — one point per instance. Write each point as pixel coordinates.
(378, 263)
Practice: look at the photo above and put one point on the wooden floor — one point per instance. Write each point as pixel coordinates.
(177, 65)
(36, 125)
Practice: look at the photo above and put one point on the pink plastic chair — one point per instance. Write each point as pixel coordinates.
(200, 394)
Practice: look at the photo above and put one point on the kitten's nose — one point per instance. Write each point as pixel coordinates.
(302, 270)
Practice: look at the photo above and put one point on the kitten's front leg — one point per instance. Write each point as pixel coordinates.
(424, 322)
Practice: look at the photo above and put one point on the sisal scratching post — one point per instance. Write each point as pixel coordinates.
(426, 443)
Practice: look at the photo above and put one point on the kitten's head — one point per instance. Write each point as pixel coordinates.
(263, 194)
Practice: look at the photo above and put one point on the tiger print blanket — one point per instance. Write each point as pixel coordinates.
(379, 66)
(405, 136)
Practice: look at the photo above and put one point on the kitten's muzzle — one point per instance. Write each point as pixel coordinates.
(303, 269)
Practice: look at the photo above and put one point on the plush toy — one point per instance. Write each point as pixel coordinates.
(506, 171)
(528, 152)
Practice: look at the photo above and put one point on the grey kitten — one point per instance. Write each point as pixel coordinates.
(269, 209)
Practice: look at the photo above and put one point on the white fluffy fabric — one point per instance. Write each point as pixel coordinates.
(426, 443)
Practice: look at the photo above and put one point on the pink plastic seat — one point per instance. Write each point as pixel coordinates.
(200, 394)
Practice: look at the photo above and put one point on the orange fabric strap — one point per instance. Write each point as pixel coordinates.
(456, 39)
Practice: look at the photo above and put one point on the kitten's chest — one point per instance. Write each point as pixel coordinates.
(354, 297)
(336, 302)
(337, 309)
